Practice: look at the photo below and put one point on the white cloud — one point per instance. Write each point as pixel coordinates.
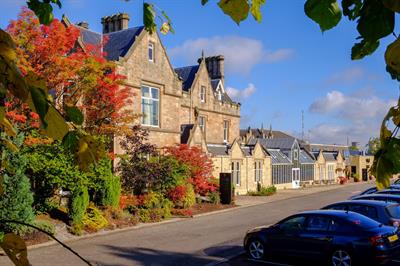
(241, 54)
(360, 115)
(239, 95)
(346, 76)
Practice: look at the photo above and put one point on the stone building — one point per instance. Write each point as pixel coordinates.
(186, 105)
(330, 165)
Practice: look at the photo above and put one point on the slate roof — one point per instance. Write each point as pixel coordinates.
(246, 150)
(257, 133)
(305, 157)
(278, 157)
(119, 42)
(214, 83)
(185, 132)
(279, 143)
(89, 36)
(355, 153)
(187, 74)
(218, 150)
(330, 156)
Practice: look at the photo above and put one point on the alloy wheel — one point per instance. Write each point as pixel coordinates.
(341, 258)
(256, 249)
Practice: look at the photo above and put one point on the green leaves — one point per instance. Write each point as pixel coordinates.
(203, 2)
(324, 12)
(255, 9)
(393, 5)
(74, 114)
(351, 8)
(363, 48)
(43, 9)
(238, 10)
(375, 21)
(392, 58)
(41, 106)
(149, 17)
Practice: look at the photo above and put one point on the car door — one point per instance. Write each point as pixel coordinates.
(316, 237)
(369, 211)
(285, 240)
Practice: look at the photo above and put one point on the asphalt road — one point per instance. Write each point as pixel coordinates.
(199, 241)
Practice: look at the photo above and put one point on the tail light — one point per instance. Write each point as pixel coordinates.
(377, 241)
(395, 222)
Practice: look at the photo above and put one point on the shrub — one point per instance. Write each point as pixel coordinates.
(78, 205)
(190, 197)
(16, 200)
(93, 219)
(46, 226)
(126, 201)
(214, 197)
(264, 191)
(106, 186)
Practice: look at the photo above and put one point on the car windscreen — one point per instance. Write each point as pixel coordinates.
(394, 211)
(361, 221)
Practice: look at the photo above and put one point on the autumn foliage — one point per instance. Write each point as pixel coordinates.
(76, 75)
(200, 166)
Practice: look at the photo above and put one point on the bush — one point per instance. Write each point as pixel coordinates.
(78, 205)
(190, 197)
(214, 197)
(46, 226)
(264, 191)
(106, 186)
(17, 199)
(127, 201)
(151, 215)
(94, 220)
(153, 207)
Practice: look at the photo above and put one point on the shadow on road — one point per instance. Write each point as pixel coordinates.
(147, 256)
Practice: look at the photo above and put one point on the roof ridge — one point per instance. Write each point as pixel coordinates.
(118, 31)
(186, 66)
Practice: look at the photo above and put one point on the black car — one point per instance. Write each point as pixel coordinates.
(375, 189)
(384, 212)
(380, 197)
(332, 237)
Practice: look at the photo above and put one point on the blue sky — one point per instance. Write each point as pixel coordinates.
(276, 68)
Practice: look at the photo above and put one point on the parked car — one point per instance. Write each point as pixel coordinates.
(330, 236)
(389, 191)
(397, 181)
(384, 212)
(380, 197)
(374, 190)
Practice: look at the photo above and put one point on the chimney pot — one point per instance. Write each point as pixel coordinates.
(115, 22)
(83, 24)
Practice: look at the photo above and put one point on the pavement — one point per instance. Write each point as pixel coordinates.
(207, 239)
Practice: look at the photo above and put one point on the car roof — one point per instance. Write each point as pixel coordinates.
(364, 202)
(389, 189)
(337, 213)
(380, 195)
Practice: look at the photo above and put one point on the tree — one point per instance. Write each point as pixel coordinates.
(373, 145)
(77, 77)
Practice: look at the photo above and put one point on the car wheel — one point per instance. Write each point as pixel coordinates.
(341, 257)
(256, 249)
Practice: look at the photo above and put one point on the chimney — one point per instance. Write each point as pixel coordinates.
(115, 22)
(83, 24)
(215, 66)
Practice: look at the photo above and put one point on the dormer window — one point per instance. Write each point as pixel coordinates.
(203, 94)
(219, 95)
(151, 52)
(295, 155)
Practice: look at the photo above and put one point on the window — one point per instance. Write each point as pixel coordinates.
(368, 211)
(295, 155)
(202, 123)
(318, 223)
(150, 106)
(151, 52)
(293, 224)
(258, 171)
(331, 171)
(235, 167)
(226, 131)
(219, 95)
(203, 94)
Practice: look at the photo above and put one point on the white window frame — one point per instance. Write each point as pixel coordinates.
(202, 123)
(151, 99)
(151, 48)
(236, 174)
(258, 171)
(226, 130)
(295, 154)
(202, 94)
(331, 171)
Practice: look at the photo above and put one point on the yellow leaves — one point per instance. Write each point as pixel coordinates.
(238, 10)
(15, 249)
(57, 128)
(7, 126)
(392, 57)
(7, 47)
(89, 151)
(164, 29)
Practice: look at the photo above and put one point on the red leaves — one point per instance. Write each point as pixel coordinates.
(177, 193)
(201, 167)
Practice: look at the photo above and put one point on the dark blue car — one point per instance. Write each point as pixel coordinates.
(332, 237)
(373, 190)
(384, 212)
(379, 197)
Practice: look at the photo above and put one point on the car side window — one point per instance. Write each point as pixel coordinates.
(339, 207)
(293, 224)
(318, 223)
(368, 211)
